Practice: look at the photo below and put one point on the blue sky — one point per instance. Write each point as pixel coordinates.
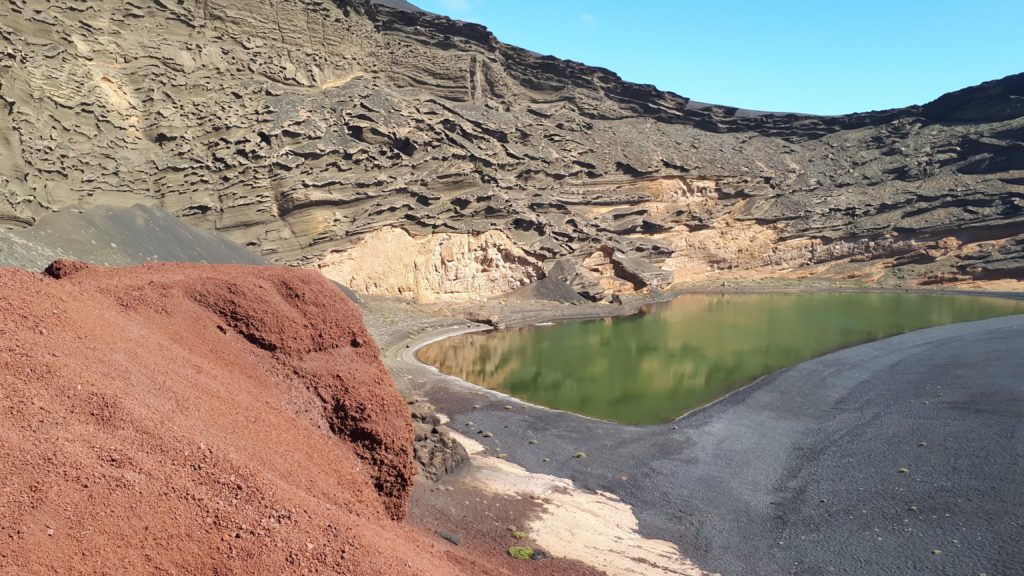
(823, 57)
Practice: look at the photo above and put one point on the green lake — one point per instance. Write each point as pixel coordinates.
(677, 356)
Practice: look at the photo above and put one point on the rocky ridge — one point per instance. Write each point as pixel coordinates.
(334, 134)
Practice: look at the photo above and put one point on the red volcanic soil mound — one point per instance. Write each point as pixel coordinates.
(191, 419)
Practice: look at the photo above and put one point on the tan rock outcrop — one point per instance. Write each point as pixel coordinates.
(435, 267)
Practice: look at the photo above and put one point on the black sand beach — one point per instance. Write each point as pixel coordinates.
(902, 456)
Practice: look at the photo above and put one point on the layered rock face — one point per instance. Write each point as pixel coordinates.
(336, 134)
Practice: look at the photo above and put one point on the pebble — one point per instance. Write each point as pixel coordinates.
(488, 435)
(449, 536)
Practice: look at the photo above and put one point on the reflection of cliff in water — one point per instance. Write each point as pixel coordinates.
(484, 358)
(655, 366)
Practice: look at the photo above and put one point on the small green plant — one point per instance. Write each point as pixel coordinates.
(518, 534)
(520, 552)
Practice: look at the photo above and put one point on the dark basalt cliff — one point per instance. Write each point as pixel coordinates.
(405, 153)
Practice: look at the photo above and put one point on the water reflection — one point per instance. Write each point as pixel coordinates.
(654, 367)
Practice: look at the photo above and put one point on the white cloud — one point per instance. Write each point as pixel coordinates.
(456, 5)
(587, 19)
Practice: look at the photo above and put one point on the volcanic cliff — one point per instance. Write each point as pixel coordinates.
(404, 153)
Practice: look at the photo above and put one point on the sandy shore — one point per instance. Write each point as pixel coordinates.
(799, 472)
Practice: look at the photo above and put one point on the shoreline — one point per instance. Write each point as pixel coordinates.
(612, 448)
(412, 345)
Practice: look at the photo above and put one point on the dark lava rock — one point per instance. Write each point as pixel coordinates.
(59, 269)
(434, 449)
(449, 536)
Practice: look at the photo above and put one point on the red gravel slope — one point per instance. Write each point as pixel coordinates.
(190, 419)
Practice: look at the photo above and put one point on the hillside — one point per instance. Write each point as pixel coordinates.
(404, 153)
(206, 419)
(128, 437)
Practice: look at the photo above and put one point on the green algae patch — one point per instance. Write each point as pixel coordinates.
(520, 552)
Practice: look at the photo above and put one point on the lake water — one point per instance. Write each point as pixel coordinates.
(681, 355)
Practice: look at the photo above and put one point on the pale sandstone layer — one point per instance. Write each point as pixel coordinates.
(446, 266)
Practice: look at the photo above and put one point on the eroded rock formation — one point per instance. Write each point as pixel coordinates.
(305, 130)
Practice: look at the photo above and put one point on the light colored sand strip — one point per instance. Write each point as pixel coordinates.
(340, 81)
(596, 529)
